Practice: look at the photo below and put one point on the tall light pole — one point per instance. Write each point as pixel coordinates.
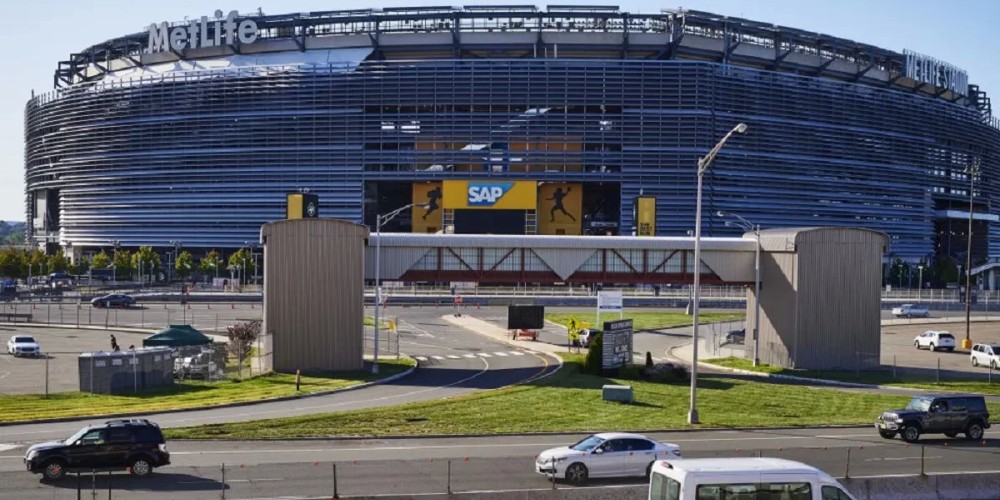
(380, 220)
(920, 286)
(253, 256)
(173, 263)
(747, 226)
(704, 163)
(971, 171)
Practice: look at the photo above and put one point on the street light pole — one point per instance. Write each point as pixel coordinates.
(380, 220)
(755, 228)
(972, 170)
(704, 163)
(920, 286)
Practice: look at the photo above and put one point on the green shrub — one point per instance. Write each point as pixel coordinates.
(594, 355)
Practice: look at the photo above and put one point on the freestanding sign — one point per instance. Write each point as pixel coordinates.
(609, 301)
(617, 344)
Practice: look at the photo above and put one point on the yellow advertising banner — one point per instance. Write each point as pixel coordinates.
(490, 195)
(427, 216)
(560, 207)
(645, 216)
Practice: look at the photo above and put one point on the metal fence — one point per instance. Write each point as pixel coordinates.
(455, 475)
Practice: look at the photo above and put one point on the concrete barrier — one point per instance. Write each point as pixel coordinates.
(975, 486)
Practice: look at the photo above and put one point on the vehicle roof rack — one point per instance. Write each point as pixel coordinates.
(129, 421)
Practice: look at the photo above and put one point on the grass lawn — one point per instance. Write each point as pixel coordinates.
(571, 401)
(646, 320)
(184, 394)
(882, 377)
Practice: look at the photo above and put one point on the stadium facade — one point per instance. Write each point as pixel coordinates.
(194, 132)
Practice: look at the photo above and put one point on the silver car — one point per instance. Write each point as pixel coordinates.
(609, 454)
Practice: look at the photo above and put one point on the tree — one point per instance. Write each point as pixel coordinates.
(58, 262)
(36, 262)
(243, 260)
(147, 257)
(81, 267)
(210, 264)
(12, 263)
(593, 363)
(122, 263)
(101, 261)
(183, 264)
(241, 338)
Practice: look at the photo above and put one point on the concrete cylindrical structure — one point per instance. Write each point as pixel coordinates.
(314, 294)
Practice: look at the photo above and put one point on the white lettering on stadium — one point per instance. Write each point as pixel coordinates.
(200, 33)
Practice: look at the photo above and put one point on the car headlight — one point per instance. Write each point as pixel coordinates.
(557, 460)
(898, 420)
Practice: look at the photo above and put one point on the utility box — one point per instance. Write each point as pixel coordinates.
(621, 393)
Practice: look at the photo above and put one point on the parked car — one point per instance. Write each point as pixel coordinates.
(587, 335)
(113, 300)
(133, 444)
(911, 311)
(985, 355)
(948, 415)
(199, 365)
(23, 345)
(934, 340)
(736, 337)
(611, 454)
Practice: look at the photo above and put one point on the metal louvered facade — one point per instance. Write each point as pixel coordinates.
(206, 157)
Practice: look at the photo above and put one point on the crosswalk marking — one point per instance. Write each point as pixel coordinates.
(420, 358)
(485, 355)
(501, 354)
(517, 353)
(452, 356)
(439, 358)
(469, 355)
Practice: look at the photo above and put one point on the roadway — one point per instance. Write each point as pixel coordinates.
(304, 468)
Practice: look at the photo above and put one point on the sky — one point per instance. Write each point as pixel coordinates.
(40, 33)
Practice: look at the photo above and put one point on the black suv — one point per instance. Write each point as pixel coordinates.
(135, 444)
(948, 415)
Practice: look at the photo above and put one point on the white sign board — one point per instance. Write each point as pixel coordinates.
(609, 301)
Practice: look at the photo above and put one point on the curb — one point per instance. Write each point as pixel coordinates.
(559, 360)
(227, 405)
(531, 434)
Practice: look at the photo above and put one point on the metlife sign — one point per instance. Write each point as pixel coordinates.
(201, 33)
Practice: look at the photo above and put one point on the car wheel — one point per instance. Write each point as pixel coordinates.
(649, 469)
(576, 473)
(911, 434)
(993, 365)
(916, 344)
(54, 469)
(931, 347)
(140, 467)
(974, 431)
(950, 434)
(887, 434)
(975, 362)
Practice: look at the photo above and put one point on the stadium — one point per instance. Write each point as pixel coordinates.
(560, 120)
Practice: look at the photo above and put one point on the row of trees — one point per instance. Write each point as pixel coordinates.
(20, 264)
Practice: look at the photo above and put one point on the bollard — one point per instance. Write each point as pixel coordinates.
(298, 379)
(335, 493)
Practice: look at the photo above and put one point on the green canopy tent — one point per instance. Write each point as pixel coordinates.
(176, 336)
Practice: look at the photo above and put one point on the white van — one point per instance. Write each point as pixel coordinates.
(741, 479)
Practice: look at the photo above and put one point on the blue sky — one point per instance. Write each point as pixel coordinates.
(39, 33)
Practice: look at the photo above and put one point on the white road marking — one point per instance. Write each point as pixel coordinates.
(452, 356)
(501, 354)
(411, 326)
(420, 358)
(468, 355)
(8, 447)
(484, 355)
(517, 353)
(439, 358)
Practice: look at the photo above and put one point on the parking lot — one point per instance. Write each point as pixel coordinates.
(897, 347)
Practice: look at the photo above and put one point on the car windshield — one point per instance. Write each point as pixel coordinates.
(946, 336)
(919, 404)
(24, 340)
(587, 444)
(76, 437)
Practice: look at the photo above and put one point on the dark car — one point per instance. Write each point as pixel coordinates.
(736, 337)
(133, 444)
(113, 300)
(948, 415)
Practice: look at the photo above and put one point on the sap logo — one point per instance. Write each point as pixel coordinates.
(486, 194)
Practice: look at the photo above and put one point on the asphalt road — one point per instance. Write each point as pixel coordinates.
(268, 469)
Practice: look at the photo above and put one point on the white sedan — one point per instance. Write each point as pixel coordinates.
(610, 454)
(23, 345)
(935, 340)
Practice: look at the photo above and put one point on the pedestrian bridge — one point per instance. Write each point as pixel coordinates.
(411, 257)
